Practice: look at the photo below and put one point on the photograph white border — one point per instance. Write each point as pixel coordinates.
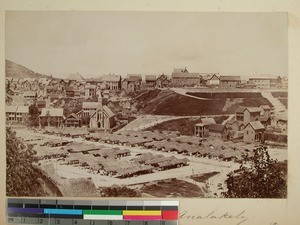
(196, 211)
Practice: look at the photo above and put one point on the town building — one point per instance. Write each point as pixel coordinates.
(102, 118)
(135, 78)
(12, 92)
(202, 129)
(88, 108)
(230, 81)
(132, 83)
(210, 80)
(150, 81)
(124, 84)
(266, 82)
(244, 115)
(181, 77)
(284, 82)
(266, 110)
(112, 81)
(40, 104)
(162, 81)
(51, 117)
(30, 95)
(89, 90)
(282, 122)
(217, 131)
(19, 114)
(73, 121)
(70, 92)
(254, 132)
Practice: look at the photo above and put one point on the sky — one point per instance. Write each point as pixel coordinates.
(97, 43)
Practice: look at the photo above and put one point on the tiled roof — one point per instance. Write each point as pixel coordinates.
(17, 109)
(150, 77)
(216, 128)
(254, 109)
(105, 109)
(73, 115)
(134, 77)
(256, 125)
(194, 75)
(264, 118)
(53, 112)
(240, 109)
(108, 111)
(90, 86)
(90, 105)
(209, 76)
(208, 121)
(230, 78)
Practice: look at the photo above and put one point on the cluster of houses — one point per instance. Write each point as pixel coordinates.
(183, 78)
(76, 86)
(249, 124)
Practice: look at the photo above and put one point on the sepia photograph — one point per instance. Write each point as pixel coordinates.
(146, 104)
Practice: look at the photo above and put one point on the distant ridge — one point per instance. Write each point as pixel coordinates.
(75, 76)
(15, 70)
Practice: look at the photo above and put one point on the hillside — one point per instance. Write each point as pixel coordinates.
(167, 102)
(18, 71)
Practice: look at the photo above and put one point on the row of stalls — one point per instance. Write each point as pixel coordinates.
(178, 144)
(66, 132)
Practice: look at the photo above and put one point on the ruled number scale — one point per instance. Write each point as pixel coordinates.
(69, 212)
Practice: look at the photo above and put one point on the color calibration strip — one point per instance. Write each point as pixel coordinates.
(81, 212)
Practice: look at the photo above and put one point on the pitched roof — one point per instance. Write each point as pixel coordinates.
(108, 111)
(283, 117)
(73, 115)
(240, 109)
(207, 76)
(70, 88)
(90, 105)
(23, 109)
(11, 108)
(208, 121)
(265, 107)
(194, 75)
(162, 77)
(253, 109)
(53, 112)
(150, 78)
(105, 109)
(134, 77)
(111, 78)
(230, 78)
(17, 109)
(216, 128)
(90, 86)
(256, 125)
(264, 118)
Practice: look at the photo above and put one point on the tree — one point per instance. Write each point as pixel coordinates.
(33, 115)
(119, 191)
(21, 178)
(259, 176)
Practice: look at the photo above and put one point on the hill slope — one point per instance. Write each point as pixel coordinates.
(18, 71)
(166, 102)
